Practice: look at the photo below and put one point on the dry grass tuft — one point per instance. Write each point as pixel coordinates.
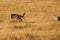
(32, 37)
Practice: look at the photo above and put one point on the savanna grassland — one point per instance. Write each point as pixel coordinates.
(39, 22)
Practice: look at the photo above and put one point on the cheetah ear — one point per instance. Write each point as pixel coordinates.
(23, 14)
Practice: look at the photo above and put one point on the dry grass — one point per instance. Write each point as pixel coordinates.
(39, 23)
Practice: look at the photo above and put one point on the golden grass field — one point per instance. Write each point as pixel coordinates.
(39, 23)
